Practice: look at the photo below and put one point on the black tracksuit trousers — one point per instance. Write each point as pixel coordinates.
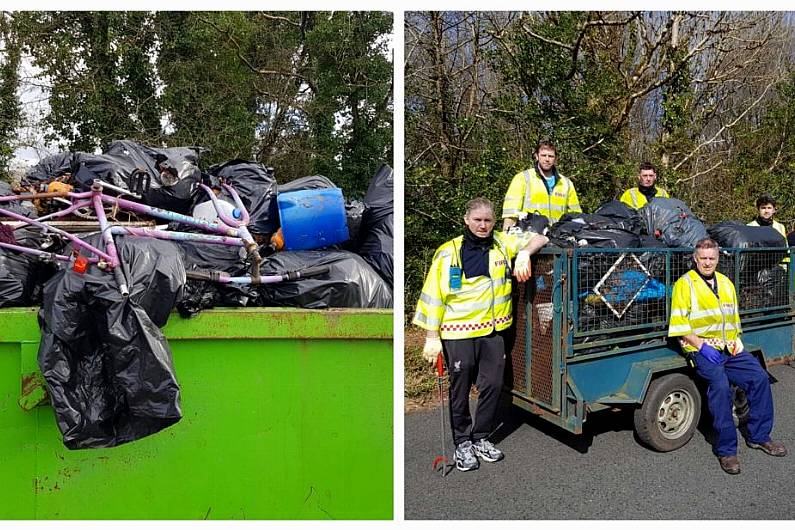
(479, 361)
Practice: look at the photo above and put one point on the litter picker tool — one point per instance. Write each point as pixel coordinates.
(441, 462)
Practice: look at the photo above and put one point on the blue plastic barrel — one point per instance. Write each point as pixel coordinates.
(312, 218)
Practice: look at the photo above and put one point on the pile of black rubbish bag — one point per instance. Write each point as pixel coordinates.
(661, 223)
(106, 363)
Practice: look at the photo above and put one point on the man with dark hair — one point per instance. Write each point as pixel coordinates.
(706, 320)
(766, 206)
(540, 189)
(646, 189)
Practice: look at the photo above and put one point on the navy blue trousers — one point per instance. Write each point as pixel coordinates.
(744, 371)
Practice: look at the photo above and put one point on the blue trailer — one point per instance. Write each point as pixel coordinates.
(592, 335)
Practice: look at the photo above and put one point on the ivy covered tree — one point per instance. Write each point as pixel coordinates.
(10, 113)
(102, 84)
(304, 92)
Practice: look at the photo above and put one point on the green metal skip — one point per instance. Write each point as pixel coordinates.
(287, 414)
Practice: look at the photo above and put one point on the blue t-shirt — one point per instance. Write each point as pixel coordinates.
(550, 182)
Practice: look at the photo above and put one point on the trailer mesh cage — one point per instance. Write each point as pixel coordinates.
(617, 290)
(583, 302)
(536, 299)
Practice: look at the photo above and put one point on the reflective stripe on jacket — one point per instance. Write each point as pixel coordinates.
(528, 193)
(696, 309)
(635, 199)
(482, 304)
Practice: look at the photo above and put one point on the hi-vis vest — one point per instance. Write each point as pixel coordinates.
(779, 228)
(481, 305)
(528, 193)
(696, 309)
(635, 199)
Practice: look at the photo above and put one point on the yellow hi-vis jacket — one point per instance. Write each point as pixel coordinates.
(528, 193)
(696, 309)
(635, 199)
(779, 228)
(482, 304)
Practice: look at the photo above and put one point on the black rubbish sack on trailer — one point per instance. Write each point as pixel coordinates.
(625, 217)
(120, 171)
(256, 186)
(534, 222)
(164, 178)
(107, 365)
(736, 234)
(672, 221)
(49, 168)
(200, 295)
(23, 275)
(769, 290)
(376, 233)
(608, 238)
(350, 282)
(593, 230)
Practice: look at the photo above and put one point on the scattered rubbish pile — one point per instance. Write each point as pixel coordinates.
(617, 289)
(110, 244)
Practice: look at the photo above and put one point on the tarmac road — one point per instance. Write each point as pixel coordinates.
(604, 473)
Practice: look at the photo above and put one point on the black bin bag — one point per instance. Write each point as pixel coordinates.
(350, 282)
(15, 206)
(199, 295)
(107, 365)
(672, 221)
(256, 186)
(173, 174)
(377, 249)
(736, 234)
(376, 233)
(49, 168)
(22, 275)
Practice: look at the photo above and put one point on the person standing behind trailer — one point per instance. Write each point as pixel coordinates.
(705, 317)
(646, 189)
(465, 306)
(766, 206)
(540, 189)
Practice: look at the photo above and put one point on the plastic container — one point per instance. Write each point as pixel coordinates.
(312, 219)
(206, 210)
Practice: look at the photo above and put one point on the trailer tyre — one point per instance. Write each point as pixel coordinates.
(669, 415)
(741, 409)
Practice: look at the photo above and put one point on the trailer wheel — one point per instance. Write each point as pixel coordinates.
(741, 409)
(669, 415)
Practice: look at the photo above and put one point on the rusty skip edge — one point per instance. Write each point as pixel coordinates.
(20, 324)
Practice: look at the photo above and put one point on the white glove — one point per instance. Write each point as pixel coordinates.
(433, 347)
(521, 268)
